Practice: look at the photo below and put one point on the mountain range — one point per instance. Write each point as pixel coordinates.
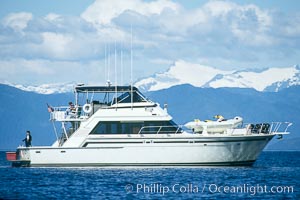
(52, 88)
(182, 72)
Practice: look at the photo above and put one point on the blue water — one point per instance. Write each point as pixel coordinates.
(275, 175)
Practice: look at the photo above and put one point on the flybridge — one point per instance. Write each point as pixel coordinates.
(90, 99)
(119, 94)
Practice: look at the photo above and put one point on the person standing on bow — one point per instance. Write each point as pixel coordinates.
(28, 139)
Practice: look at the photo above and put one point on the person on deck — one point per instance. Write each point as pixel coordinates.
(28, 139)
(72, 109)
(220, 118)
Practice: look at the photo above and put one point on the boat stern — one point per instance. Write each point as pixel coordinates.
(19, 158)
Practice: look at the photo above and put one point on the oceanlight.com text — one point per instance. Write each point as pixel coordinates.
(159, 188)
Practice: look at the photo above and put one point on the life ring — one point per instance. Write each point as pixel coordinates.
(87, 108)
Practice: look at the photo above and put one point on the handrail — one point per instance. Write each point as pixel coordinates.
(62, 113)
(265, 128)
(160, 129)
(289, 124)
(273, 127)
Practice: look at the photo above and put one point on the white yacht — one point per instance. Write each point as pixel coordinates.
(119, 126)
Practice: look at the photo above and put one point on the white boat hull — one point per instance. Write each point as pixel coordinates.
(192, 151)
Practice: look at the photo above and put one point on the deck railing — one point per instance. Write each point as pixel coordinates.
(273, 127)
(160, 130)
(63, 113)
(248, 128)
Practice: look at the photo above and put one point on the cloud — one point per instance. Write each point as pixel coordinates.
(20, 69)
(248, 25)
(53, 17)
(103, 11)
(56, 44)
(17, 21)
(218, 33)
(47, 71)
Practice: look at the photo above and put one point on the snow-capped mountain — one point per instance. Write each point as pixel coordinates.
(45, 88)
(180, 73)
(272, 79)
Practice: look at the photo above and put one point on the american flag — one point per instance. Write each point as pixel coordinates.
(50, 109)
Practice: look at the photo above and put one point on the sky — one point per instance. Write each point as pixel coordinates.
(91, 41)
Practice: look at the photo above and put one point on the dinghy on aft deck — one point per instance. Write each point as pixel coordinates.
(214, 126)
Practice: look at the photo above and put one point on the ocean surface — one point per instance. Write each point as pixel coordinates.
(275, 175)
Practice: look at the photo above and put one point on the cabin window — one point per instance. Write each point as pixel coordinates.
(146, 127)
(161, 127)
(117, 128)
(107, 128)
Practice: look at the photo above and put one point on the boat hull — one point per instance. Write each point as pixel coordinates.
(190, 151)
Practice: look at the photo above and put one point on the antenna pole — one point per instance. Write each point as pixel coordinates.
(108, 67)
(131, 82)
(105, 62)
(121, 66)
(116, 76)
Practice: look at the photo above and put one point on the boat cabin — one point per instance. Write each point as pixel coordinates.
(112, 110)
